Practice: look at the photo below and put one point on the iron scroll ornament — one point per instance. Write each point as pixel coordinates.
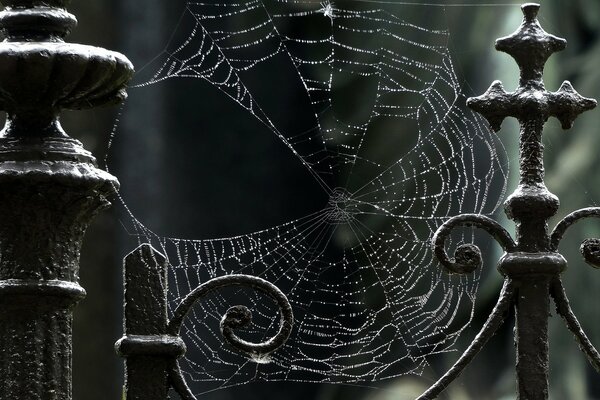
(467, 258)
(590, 248)
(236, 317)
(531, 265)
(151, 344)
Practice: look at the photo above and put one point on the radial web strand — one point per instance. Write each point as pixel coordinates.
(387, 139)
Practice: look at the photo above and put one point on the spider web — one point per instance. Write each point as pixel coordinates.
(370, 303)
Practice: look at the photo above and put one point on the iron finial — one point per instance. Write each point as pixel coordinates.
(531, 103)
(530, 45)
(531, 265)
(530, 11)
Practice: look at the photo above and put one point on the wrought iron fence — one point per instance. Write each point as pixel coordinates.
(531, 265)
(152, 344)
(51, 189)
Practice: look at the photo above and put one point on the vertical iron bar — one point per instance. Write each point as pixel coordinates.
(145, 314)
(532, 310)
(533, 262)
(149, 351)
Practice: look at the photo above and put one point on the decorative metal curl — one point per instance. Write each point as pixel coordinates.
(590, 248)
(239, 316)
(236, 317)
(467, 257)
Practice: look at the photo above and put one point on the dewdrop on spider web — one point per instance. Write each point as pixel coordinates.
(357, 269)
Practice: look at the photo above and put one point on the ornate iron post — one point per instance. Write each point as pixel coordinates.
(50, 189)
(531, 265)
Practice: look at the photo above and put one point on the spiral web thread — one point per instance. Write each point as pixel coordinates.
(370, 303)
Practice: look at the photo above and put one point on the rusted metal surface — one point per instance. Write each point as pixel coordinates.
(50, 189)
(531, 265)
(152, 345)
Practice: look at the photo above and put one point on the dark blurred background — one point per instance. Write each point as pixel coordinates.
(201, 195)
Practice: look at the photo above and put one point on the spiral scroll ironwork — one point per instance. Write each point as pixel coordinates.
(532, 265)
(467, 257)
(239, 316)
(236, 317)
(590, 248)
(152, 345)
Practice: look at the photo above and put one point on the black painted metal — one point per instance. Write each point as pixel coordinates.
(148, 349)
(240, 316)
(50, 189)
(531, 265)
(152, 344)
